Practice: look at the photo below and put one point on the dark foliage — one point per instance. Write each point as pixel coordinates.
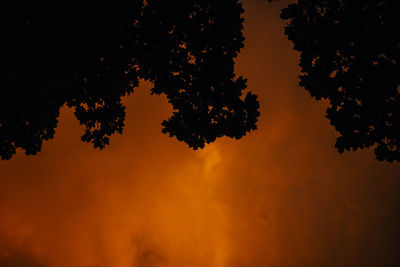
(89, 54)
(350, 56)
(63, 52)
(190, 60)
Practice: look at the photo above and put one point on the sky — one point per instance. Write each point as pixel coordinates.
(281, 196)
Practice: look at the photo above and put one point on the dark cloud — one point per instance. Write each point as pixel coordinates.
(19, 260)
(11, 256)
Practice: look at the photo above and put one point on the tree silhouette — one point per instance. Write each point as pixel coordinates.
(350, 56)
(190, 60)
(89, 54)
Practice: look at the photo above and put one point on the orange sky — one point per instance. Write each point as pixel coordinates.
(282, 196)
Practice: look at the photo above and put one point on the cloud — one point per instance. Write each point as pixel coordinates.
(11, 256)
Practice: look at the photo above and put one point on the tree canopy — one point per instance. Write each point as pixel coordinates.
(349, 55)
(89, 54)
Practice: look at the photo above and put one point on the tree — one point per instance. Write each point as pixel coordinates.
(89, 54)
(350, 56)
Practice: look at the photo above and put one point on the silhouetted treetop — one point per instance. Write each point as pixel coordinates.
(350, 56)
(89, 54)
(189, 57)
(64, 52)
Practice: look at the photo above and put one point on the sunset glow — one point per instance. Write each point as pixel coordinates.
(280, 196)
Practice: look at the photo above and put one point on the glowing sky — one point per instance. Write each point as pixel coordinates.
(281, 196)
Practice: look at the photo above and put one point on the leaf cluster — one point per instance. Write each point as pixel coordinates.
(89, 54)
(349, 55)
